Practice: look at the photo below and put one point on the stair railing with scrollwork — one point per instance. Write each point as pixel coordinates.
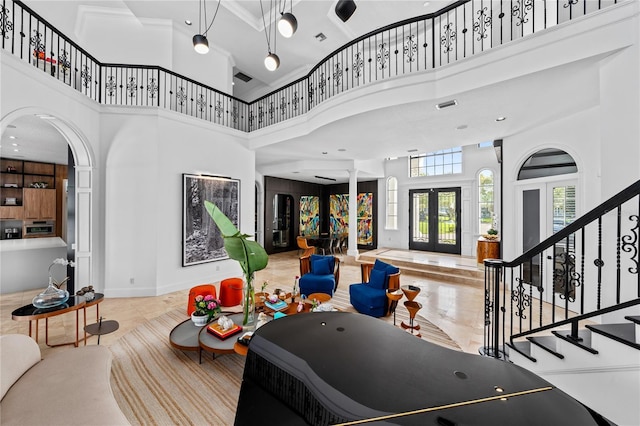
(415, 45)
(585, 270)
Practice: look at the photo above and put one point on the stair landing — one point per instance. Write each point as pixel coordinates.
(437, 266)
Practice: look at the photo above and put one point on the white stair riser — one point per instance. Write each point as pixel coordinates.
(610, 348)
(610, 353)
(614, 393)
(617, 317)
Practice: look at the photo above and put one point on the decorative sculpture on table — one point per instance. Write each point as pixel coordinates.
(53, 295)
(251, 256)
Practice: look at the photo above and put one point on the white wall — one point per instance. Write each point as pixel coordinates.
(148, 155)
(138, 157)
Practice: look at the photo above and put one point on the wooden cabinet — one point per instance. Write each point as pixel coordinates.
(39, 203)
(488, 249)
(27, 193)
(11, 212)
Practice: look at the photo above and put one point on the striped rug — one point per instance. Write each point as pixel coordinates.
(155, 384)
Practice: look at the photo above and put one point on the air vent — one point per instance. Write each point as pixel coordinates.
(447, 104)
(320, 37)
(242, 76)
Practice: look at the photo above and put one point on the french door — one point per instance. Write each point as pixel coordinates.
(546, 208)
(434, 224)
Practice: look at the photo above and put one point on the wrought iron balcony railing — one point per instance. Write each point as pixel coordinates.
(415, 45)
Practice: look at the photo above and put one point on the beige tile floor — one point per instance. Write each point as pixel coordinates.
(457, 309)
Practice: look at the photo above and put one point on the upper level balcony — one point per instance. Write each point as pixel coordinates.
(418, 45)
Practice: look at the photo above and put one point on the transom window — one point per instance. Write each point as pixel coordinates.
(443, 162)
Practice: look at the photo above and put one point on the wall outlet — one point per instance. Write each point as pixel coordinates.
(132, 280)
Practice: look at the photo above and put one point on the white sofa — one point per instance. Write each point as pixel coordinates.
(68, 387)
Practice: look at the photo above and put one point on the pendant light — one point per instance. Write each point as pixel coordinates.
(272, 61)
(200, 42)
(288, 24)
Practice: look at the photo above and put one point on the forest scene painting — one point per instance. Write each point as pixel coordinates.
(201, 238)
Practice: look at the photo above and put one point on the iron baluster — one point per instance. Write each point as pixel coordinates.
(618, 238)
(599, 263)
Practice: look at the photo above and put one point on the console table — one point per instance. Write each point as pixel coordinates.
(31, 313)
(351, 367)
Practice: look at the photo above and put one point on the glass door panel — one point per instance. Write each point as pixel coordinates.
(434, 220)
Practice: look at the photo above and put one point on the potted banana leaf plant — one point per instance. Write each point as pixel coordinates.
(250, 254)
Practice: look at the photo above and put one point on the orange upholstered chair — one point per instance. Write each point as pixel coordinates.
(231, 291)
(203, 289)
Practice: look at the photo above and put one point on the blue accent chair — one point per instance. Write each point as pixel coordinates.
(319, 274)
(370, 296)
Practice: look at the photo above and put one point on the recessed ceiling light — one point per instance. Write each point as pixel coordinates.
(295, 172)
(462, 127)
(16, 150)
(501, 118)
(188, 22)
(341, 150)
(12, 137)
(498, 389)
(320, 37)
(45, 117)
(11, 126)
(412, 150)
(14, 144)
(324, 152)
(425, 4)
(447, 104)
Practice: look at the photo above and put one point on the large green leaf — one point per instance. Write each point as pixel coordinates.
(251, 255)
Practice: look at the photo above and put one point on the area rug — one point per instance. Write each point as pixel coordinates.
(155, 384)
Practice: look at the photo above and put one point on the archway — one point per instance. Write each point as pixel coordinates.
(82, 246)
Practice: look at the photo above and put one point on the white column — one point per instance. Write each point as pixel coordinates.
(353, 213)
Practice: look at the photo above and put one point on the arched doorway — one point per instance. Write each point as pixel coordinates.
(547, 202)
(80, 174)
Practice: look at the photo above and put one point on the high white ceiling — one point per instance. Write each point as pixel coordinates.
(526, 101)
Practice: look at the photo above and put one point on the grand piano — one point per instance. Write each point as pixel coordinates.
(343, 368)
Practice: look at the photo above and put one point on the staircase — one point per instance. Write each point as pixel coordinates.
(569, 309)
(440, 267)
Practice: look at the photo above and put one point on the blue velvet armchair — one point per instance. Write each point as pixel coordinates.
(319, 274)
(370, 296)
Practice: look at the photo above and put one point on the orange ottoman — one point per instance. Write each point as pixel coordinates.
(231, 291)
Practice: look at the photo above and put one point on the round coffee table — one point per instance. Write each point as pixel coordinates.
(214, 345)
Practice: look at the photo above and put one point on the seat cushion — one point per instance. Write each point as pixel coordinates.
(18, 353)
(368, 300)
(312, 283)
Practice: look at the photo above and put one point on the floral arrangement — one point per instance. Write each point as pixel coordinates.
(63, 262)
(206, 305)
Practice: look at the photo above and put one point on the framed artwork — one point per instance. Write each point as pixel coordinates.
(339, 214)
(201, 239)
(309, 215)
(365, 218)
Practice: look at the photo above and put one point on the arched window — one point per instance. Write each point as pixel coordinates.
(547, 162)
(486, 199)
(392, 203)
